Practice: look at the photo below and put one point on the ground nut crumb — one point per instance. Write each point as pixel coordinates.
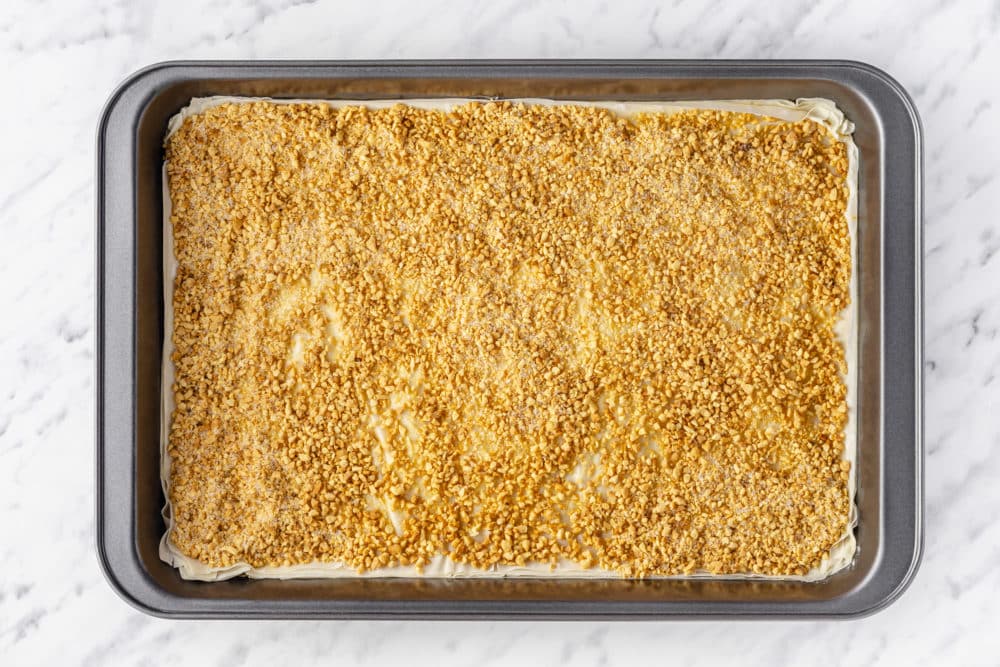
(508, 334)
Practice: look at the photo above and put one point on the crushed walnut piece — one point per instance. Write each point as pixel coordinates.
(508, 334)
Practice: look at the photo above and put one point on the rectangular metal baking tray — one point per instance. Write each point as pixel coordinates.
(130, 334)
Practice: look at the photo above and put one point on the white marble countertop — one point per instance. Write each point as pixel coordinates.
(63, 58)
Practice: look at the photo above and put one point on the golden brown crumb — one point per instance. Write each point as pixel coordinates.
(508, 334)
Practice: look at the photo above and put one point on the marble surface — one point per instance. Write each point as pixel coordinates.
(63, 58)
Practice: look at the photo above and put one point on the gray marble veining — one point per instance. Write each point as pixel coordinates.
(63, 58)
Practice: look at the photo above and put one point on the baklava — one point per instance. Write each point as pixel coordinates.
(509, 338)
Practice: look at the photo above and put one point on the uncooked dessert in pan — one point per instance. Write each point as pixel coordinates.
(455, 338)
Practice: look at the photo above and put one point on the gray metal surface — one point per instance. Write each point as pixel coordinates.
(130, 333)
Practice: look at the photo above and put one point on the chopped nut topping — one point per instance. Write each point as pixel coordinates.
(508, 334)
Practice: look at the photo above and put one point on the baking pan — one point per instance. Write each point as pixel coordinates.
(130, 335)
